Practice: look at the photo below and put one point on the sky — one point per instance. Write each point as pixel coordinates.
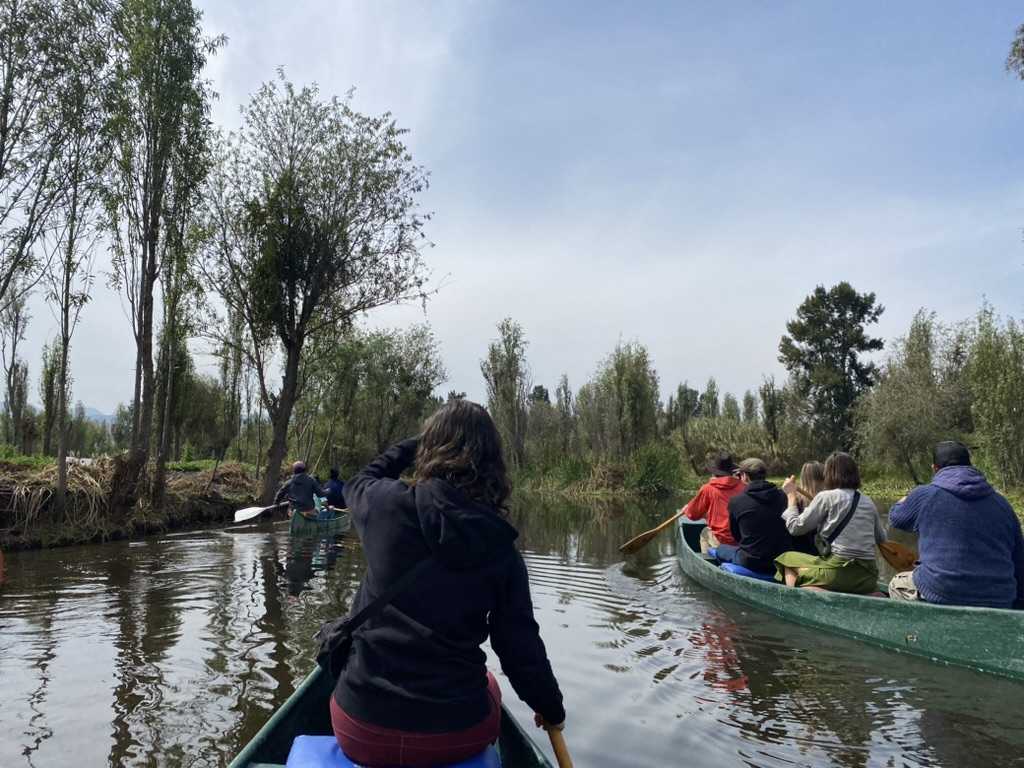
(678, 174)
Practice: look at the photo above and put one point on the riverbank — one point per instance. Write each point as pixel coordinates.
(29, 517)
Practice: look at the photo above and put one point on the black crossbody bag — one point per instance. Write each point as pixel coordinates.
(824, 543)
(334, 639)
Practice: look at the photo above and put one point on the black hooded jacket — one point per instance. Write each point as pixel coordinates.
(755, 517)
(419, 666)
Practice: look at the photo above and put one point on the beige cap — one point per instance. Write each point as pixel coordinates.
(754, 467)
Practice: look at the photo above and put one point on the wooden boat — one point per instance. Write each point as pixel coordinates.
(986, 639)
(305, 526)
(306, 712)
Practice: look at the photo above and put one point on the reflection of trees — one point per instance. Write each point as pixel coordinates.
(38, 729)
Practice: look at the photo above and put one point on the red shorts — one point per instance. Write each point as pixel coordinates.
(377, 747)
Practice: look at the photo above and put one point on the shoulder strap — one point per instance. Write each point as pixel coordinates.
(846, 518)
(379, 603)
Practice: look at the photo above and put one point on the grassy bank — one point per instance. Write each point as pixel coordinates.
(29, 517)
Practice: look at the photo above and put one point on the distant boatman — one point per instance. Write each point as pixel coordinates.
(299, 492)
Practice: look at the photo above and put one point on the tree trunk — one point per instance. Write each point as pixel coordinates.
(279, 418)
(164, 433)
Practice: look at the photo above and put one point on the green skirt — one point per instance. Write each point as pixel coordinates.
(833, 572)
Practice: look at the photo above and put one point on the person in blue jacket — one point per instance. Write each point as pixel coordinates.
(334, 489)
(970, 541)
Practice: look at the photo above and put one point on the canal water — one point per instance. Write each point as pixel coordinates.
(173, 651)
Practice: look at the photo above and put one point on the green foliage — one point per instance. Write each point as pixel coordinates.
(507, 376)
(681, 407)
(742, 439)
(708, 401)
(822, 353)
(918, 401)
(730, 407)
(749, 407)
(995, 374)
(655, 468)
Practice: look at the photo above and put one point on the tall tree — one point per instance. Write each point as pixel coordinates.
(32, 34)
(823, 354)
(49, 372)
(772, 409)
(80, 163)
(566, 414)
(14, 317)
(731, 407)
(507, 376)
(749, 407)
(314, 219)
(159, 55)
(708, 400)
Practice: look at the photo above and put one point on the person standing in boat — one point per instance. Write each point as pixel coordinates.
(416, 690)
(755, 519)
(298, 491)
(848, 528)
(712, 501)
(969, 539)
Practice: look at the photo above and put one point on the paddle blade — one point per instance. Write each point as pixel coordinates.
(249, 513)
(899, 556)
(639, 542)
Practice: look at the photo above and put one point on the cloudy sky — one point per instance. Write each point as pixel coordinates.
(674, 173)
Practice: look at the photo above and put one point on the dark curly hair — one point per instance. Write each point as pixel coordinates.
(461, 445)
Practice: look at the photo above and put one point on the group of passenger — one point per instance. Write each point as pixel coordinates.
(823, 532)
(307, 497)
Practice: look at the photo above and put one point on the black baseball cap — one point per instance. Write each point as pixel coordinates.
(950, 453)
(720, 463)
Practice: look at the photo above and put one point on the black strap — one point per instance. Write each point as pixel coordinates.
(378, 604)
(842, 523)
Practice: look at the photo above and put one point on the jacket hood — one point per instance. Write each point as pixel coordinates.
(724, 482)
(462, 533)
(962, 481)
(762, 490)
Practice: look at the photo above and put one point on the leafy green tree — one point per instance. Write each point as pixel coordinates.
(914, 403)
(49, 383)
(772, 410)
(708, 401)
(566, 415)
(14, 317)
(730, 407)
(507, 376)
(823, 352)
(749, 408)
(314, 219)
(540, 394)
(156, 98)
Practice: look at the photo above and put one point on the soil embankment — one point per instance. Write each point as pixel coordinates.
(29, 517)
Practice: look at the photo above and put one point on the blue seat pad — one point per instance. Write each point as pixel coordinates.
(324, 752)
(739, 570)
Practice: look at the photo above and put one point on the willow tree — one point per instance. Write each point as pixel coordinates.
(157, 88)
(314, 219)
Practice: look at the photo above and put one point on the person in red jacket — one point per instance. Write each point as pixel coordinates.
(712, 501)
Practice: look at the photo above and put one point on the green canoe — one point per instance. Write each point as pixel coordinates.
(306, 712)
(986, 639)
(303, 526)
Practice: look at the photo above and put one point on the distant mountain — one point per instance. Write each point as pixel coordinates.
(102, 418)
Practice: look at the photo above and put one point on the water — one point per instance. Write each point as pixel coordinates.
(173, 651)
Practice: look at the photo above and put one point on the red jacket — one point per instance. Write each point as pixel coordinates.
(712, 504)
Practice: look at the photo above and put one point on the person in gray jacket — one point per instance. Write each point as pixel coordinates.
(848, 530)
(299, 491)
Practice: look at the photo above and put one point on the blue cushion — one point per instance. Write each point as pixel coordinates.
(739, 570)
(713, 553)
(323, 752)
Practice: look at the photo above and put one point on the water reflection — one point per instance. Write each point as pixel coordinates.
(173, 652)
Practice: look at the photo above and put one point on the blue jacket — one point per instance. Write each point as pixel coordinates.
(972, 550)
(335, 492)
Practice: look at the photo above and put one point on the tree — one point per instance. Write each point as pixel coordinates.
(313, 214)
(913, 405)
(14, 317)
(157, 92)
(539, 394)
(566, 415)
(32, 37)
(80, 164)
(730, 407)
(1015, 58)
(507, 376)
(823, 354)
(49, 381)
(772, 409)
(749, 407)
(708, 401)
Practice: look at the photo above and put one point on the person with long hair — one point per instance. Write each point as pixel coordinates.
(415, 690)
(812, 480)
(848, 528)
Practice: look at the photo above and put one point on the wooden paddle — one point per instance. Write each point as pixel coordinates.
(561, 750)
(639, 542)
(899, 556)
(250, 512)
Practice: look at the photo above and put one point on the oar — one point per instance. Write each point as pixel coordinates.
(639, 542)
(561, 750)
(899, 556)
(250, 512)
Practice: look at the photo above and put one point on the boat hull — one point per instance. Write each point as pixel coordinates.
(306, 712)
(301, 525)
(985, 639)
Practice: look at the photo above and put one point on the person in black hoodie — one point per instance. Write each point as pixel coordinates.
(415, 690)
(755, 518)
